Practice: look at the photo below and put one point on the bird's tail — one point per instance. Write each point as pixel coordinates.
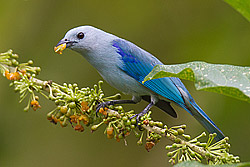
(199, 114)
(206, 122)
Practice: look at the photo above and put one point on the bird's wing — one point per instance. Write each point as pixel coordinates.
(137, 63)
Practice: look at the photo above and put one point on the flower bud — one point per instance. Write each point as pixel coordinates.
(192, 154)
(180, 131)
(125, 118)
(30, 62)
(63, 109)
(14, 62)
(15, 56)
(128, 123)
(174, 145)
(64, 123)
(168, 147)
(38, 70)
(72, 105)
(133, 121)
(94, 127)
(187, 137)
(139, 143)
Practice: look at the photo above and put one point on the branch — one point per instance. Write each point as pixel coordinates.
(77, 107)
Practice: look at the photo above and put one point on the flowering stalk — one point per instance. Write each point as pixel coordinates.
(77, 107)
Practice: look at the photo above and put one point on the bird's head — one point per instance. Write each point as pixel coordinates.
(81, 39)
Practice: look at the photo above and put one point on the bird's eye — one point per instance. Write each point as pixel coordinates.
(80, 35)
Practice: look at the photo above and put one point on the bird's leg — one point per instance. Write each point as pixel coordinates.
(113, 102)
(151, 104)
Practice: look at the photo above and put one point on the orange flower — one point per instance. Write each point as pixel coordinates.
(54, 120)
(79, 128)
(6, 74)
(117, 138)
(73, 118)
(23, 71)
(146, 122)
(103, 111)
(12, 76)
(85, 106)
(35, 105)
(149, 145)
(127, 134)
(110, 130)
(84, 118)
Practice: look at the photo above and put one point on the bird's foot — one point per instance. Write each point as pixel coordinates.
(103, 105)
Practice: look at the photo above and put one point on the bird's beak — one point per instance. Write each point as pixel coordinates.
(63, 44)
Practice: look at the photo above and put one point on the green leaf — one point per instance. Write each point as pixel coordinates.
(197, 164)
(242, 6)
(233, 81)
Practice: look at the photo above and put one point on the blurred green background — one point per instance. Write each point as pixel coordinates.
(174, 31)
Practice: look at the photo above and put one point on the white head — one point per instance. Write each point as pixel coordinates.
(85, 39)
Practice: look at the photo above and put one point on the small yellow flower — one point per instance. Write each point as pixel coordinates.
(60, 48)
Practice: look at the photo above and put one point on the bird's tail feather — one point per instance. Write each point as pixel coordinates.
(206, 122)
(199, 114)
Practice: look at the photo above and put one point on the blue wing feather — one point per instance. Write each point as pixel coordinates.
(137, 63)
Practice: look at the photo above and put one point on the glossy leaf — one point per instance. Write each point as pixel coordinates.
(242, 6)
(228, 80)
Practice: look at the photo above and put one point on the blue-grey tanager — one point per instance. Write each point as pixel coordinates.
(124, 66)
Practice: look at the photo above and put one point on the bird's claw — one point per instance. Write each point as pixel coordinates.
(103, 105)
(99, 106)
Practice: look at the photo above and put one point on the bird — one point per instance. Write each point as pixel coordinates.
(124, 66)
